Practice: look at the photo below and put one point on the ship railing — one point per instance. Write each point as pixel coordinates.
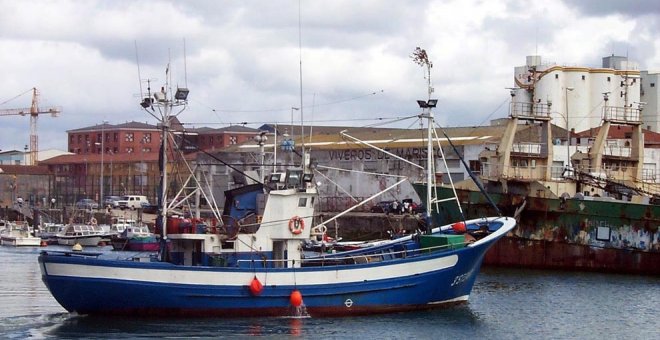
(617, 151)
(386, 254)
(621, 114)
(521, 169)
(649, 175)
(379, 255)
(529, 110)
(527, 148)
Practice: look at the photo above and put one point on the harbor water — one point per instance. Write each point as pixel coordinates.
(505, 304)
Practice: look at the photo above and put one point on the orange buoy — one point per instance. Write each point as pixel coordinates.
(295, 298)
(459, 227)
(256, 287)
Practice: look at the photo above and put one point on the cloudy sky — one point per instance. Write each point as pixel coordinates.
(243, 57)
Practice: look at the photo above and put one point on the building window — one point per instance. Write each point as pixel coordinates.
(115, 137)
(652, 84)
(583, 77)
(129, 150)
(146, 149)
(79, 138)
(608, 78)
(71, 138)
(556, 76)
(129, 136)
(147, 137)
(115, 150)
(98, 137)
(232, 140)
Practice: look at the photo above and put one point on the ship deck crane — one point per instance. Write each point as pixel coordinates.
(34, 113)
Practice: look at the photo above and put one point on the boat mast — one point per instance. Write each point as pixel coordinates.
(161, 107)
(420, 57)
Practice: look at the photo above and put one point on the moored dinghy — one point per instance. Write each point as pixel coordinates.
(252, 262)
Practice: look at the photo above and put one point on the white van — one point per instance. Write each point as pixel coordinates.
(132, 201)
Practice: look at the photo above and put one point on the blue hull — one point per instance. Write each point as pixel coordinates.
(112, 296)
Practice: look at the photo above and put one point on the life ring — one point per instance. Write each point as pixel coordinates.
(93, 221)
(296, 225)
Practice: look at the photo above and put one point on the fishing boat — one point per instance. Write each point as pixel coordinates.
(18, 234)
(250, 261)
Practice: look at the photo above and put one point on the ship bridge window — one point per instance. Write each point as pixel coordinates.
(302, 202)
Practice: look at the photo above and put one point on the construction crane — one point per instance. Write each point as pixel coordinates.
(34, 113)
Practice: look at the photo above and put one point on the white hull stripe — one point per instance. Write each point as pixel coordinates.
(243, 277)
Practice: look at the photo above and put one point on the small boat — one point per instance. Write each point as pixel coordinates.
(48, 233)
(18, 234)
(250, 261)
(84, 234)
(136, 238)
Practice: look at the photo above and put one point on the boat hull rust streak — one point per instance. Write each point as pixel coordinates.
(196, 292)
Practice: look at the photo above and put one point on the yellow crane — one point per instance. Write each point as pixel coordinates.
(34, 113)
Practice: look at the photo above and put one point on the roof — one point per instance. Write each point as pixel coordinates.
(226, 129)
(134, 157)
(24, 170)
(128, 125)
(386, 137)
(651, 139)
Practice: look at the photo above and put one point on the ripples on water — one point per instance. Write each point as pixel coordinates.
(505, 304)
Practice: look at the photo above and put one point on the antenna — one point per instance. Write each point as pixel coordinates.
(301, 82)
(185, 64)
(137, 61)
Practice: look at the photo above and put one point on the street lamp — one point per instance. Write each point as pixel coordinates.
(568, 131)
(102, 152)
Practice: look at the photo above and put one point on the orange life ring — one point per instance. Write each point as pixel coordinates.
(296, 225)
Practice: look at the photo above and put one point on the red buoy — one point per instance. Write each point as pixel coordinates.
(295, 298)
(256, 287)
(459, 227)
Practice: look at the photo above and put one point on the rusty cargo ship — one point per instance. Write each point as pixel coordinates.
(598, 214)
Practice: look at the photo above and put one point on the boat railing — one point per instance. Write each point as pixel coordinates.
(524, 169)
(617, 151)
(621, 114)
(527, 148)
(529, 110)
(379, 255)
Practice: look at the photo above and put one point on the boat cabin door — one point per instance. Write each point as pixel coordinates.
(279, 254)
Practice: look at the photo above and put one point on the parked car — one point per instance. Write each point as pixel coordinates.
(133, 202)
(87, 203)
(383, 207)
(111, 201)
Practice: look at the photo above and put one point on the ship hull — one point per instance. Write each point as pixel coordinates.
(398, 275)
(571, 234)
(156, 289)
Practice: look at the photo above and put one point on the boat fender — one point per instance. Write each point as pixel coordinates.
(256, 287)
(459, 227)
(296, 225)
(295, 298)
(93, 221)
